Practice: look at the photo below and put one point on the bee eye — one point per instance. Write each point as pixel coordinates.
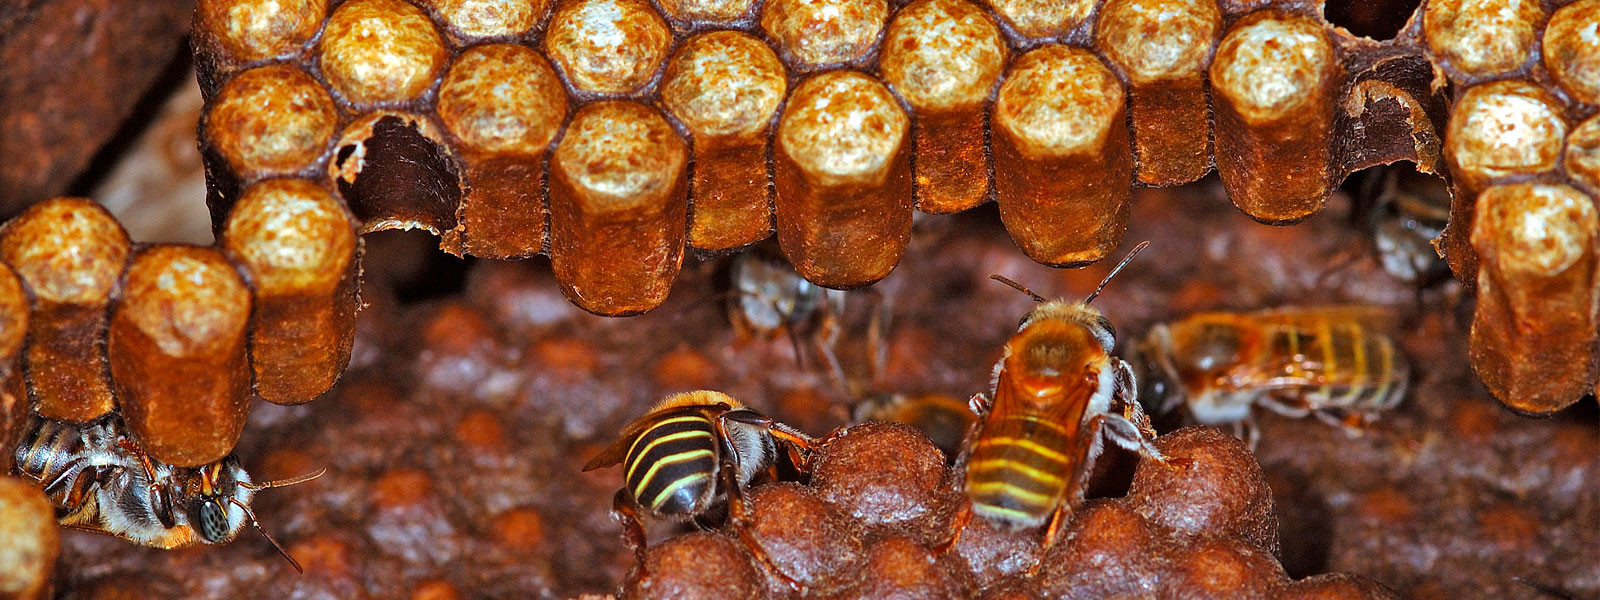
(1105, 324)
(211, 522)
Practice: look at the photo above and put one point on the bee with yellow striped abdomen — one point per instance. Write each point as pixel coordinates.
(1057, 390)
(101, 482)
(1332, 362)
(689, 451)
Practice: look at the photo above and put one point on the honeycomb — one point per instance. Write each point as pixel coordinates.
(829, 123)
(620, 138)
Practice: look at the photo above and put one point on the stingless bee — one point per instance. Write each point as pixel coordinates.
(689, 451)
(1057, 390)
(769, 298)
(944, 419)
(101, 482)
(1332, 362)
(1408, 211)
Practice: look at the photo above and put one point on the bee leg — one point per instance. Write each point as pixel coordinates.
(1129, 436)
(1288, 406)
(739, 521)
(74, 467)
(1127, 392)
(1051, 533)
(1248, 430)
(784, 433)
(623, 511)
(825, 340)
(1353, 423)
(979, 404)
(958, 525)
(793, 439)
(877, 324)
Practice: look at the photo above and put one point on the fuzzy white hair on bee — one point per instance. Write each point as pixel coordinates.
(1075, 311)
(172, 513)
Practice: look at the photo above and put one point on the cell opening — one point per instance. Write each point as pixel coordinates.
(1375, 19)
(394, 175)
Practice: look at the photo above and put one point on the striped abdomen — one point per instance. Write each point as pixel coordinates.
(671, 468)
(1022, 466)
(1331, 363)
(52, 454)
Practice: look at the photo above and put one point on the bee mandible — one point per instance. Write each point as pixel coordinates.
(1058, 391)
(101, 482)
(1332, 362)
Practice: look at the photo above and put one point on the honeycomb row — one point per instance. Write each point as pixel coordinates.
(739, 127)
(1523, 149)
(610, 135)
(177, 338)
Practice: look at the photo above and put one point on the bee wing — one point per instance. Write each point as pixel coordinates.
(1373, 317)
(618, 450)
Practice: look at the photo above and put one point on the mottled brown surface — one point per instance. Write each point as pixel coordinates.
(1161, 47)
(69, 254)
(725, 87)
(177, 347)
(842, 168)
(1535, 331)
(1062, 156)
(405, 62)
(618, 208)
(1273, 75)
(298, 247)
(29, 540)
(74, 70)
(607, 47)
(505, 105)
(272, 120)
(14, 405)
(938, 62)
(944, 57)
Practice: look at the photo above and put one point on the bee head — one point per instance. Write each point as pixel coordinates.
(220, 484)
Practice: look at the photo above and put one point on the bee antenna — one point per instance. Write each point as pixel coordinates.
(263, 530)
(1125, 260)
(1017, 286)
(284, 482)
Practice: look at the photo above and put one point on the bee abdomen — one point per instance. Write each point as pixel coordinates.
(1362, 370)
(671, 467)
(47, 449)
(1019, 478)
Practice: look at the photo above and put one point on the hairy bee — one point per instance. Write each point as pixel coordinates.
(944, 419)
(689, 451)
(769, 298)
(1407, 211)
(101, 482)
(1332, 362)
(1057, 390)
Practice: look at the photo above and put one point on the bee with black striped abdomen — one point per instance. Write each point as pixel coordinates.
(1057, 390)
(101, 482)
(1332, 362)
(689, 451)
